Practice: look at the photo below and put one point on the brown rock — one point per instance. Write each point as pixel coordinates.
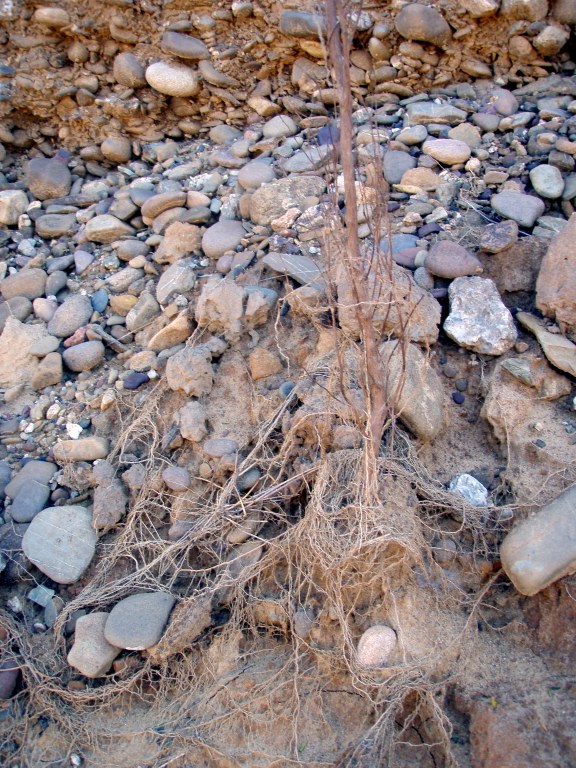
(448, 259)
(263, 363)
(180, 239)
(556, 286)
(174, 333)
(49, 371)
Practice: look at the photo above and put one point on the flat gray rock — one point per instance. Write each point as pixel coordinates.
(33, 471)
(297, 266)
(61, 542)
(426, 112)
(138, 621)
(521, 208)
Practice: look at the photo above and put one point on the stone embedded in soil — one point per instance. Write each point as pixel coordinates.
(300, 268)
(9, 675)
(523, 209)
(192, 420)
(109, 505)
(73, 313)
(85, 356)
(47, 178)
(220, 307)
(49, 371)
(176, 478)
(217, 447)
(559, 350)
(86, 449)
(172, 79)
(91, 654)
(542, 548)
(470, 489)
(171, 335)
(528, 10)
(413, 388)
(184, 46)
(138, 621)
(190, 371)
(478, 319)
(555, 286)
(128, 71)
(263, 363)
(376, 646)
(61, 542)
(419, 22)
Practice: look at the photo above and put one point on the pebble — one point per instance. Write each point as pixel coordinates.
(85, 356)
(547, 181)
(117, 149)
(135, 380)
(73, 313)
(106, 229)
(496, 238)
(61, 542)
(541, 549)
(221, 237)
(91, 654)
(184, 46)
(449, 260)
(29, 283)
(521, 208)
(172, 79)
(128, 70)
(447, 151)
(86, 449)
(138, 621)
(176, 478)
(55, 225)
(470, 489)
(218, 447)
(396, 164)
(48, 178)
(13, 203)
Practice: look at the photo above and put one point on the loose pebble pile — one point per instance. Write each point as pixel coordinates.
(183, 258)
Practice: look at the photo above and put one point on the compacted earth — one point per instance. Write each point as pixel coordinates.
(202, 563)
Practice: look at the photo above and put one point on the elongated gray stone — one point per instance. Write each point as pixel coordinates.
(521, 208)
(542, 549)
(138, 621)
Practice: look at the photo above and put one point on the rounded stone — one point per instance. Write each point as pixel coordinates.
(217, 447)
(172, 79)
(184, 46)
(54, 225)
(138, 621)
(61, 542)
(117, 149)
(13, 203)
(51, 17)
(280, 127)
(29, 283)
(419, 22)
(376, 646)
(254, 174)
(449, 260)
(223, 236)
(71, 315)
(85, 356)
(447, 151)
(176, 478)
(106, 229)
(396, 163)
(128, 71)
(547, 181)
(521, 208)
(48, 178)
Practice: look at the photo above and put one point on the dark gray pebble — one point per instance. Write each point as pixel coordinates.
(458, 398)
(135, 380)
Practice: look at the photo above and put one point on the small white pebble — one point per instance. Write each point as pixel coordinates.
(74, 430)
